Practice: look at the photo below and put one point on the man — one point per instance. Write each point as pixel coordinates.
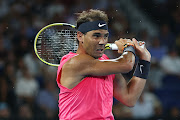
(86, 77)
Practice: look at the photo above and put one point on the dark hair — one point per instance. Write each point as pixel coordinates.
(91, 15)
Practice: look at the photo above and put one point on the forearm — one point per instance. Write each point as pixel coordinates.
(126, 62)
(137, 83)
(135, 88)
(122, 64)
(128, 93)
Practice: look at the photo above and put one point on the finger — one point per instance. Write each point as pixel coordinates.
(121, 40)
(129, 40)
(135, 42)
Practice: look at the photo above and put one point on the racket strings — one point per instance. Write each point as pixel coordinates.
(53, 43)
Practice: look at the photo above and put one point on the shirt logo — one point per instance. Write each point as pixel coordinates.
(101, 25)
(141, 68)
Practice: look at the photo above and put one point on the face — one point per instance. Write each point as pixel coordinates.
(94, 42)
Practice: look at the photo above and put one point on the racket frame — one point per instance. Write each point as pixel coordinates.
(36, 38)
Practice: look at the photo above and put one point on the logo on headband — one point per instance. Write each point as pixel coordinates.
(92, 25)
(101, 25)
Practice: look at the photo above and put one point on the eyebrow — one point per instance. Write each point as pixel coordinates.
(106, 34)
(96, 33)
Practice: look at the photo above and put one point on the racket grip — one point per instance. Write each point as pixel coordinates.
(113, 46)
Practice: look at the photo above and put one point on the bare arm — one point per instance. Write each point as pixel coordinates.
(128, 93)
(87, 65)
(84, 64)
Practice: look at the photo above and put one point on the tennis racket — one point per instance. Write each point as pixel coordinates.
(54, 41)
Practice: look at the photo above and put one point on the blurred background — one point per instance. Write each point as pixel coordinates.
(28, 89)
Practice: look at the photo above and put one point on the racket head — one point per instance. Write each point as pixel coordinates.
(54, 41)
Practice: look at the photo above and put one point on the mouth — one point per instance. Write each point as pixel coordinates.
(100, 50)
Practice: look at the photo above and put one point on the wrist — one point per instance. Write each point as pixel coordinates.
(144, 55)
(142, 69)
(129, 48)
(145, 58)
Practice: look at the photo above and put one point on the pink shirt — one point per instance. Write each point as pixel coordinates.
(91, 99)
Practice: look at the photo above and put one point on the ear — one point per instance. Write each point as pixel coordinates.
(80, 37)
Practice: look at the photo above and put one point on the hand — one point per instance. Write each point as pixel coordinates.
(121, 42)
(141, 52)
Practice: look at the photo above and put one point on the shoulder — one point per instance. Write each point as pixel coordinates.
(78, 65)
(80, 59)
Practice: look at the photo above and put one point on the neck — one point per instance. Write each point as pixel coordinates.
(80, 50)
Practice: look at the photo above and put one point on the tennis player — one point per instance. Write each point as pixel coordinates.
(88, 80)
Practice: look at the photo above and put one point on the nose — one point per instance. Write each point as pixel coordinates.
(103, 41)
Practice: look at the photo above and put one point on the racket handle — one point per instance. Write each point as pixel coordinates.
(113, 46)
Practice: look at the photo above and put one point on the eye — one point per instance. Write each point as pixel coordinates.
(106, 35)
(96, 35)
